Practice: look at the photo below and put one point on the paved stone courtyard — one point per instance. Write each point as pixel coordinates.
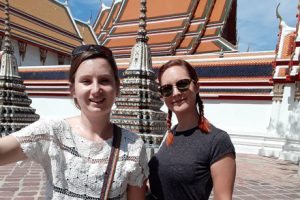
(257, 178)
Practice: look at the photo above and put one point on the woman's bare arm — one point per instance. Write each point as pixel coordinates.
(136, 193)
(10, 150)
(223, 174)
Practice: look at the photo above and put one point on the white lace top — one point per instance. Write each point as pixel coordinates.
(75, 166)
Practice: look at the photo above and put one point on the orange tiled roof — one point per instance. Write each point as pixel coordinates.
(47, 24)
(87, 33)
(287, 49)
(177, 27)
(282, 73)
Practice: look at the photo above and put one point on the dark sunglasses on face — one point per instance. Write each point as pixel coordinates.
(91, 47)
(182, 85)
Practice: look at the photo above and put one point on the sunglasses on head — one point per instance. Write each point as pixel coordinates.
(182, 85)
(91, 47)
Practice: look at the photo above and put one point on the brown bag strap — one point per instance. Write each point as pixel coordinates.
(112, 163)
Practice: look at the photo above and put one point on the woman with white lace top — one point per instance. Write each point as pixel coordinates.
(81, 155)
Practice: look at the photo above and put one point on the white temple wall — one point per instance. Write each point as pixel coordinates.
(32, 56)
(235, 117)
(51, 59)
(286, 115)
(290, 119)
(283, 136)
(239, 116)
(294, 120)
(54, 107)
(246, 121)
(279, 124)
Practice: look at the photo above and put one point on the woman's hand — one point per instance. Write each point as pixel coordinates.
(223, 174)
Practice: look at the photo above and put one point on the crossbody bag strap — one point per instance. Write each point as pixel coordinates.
(112, 163)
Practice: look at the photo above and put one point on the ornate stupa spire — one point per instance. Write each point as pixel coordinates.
(142, 33)
(7, 43)
(9, 65)
(138, 107)
(141, 54)
(15, 110)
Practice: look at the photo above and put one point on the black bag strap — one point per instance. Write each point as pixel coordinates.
(112, 162)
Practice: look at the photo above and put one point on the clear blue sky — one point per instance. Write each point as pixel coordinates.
(257, 24)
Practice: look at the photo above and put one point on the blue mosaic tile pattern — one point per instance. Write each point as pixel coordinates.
(203, 72)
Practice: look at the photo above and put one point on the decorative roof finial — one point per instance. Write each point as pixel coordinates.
(221, 55)
(248, 48)
(237, 42)
(7, 43)
(142, 33)
(90, 19)
(277, 13)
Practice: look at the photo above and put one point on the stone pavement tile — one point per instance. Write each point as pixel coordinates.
(30, 188)
(238, 192)
(247, 197)
(5, 194)
(293, 196)
(279, 197)
(263, 197)
(27, 194)
(283, 191)
(12, 189)
(236, 198)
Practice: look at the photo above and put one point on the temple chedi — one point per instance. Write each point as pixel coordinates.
(138, 105)
(15, 110)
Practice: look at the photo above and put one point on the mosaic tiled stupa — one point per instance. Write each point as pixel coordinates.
(138, 106)
(15, 110)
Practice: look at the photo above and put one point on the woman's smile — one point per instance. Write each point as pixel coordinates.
(97, 100)
(178, 102)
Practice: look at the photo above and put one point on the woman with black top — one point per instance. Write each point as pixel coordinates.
(195, 156)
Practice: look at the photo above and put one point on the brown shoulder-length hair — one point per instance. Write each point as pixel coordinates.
(204, 124)
(92, 54)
